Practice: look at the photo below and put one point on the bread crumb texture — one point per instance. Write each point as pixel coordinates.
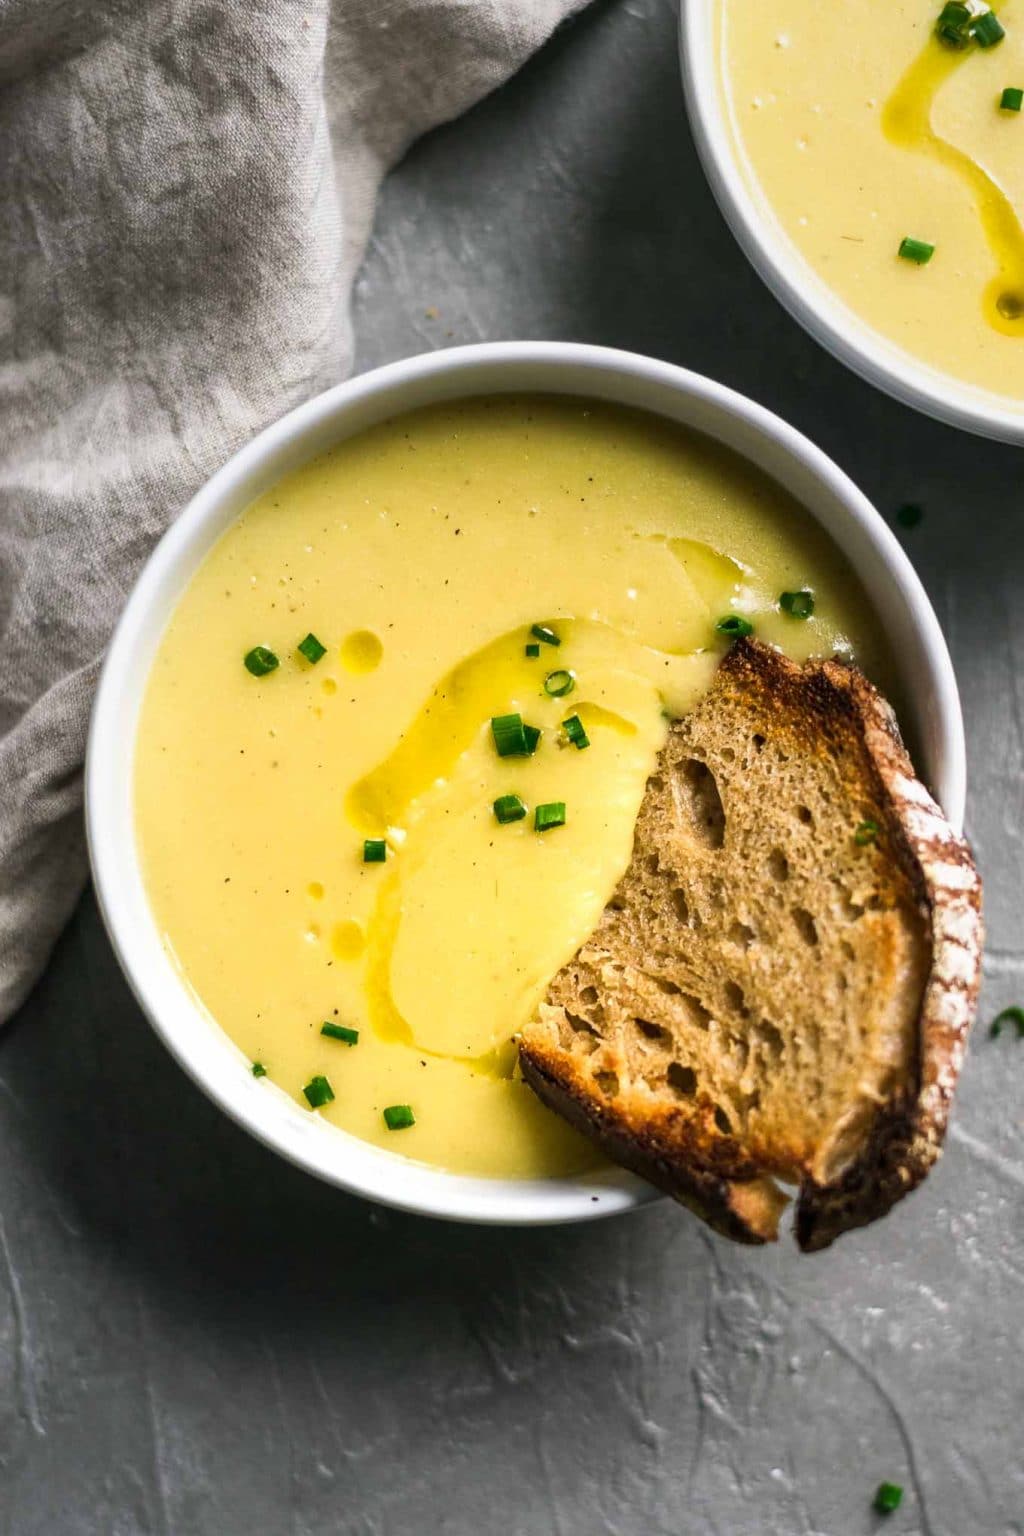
(770, 998)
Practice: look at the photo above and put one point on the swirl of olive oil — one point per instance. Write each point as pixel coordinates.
(907, 122)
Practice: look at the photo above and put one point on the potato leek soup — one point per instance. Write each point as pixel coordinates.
(398, 730)
(886, 137)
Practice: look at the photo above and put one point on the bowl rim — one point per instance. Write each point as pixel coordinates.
(791, 278)
(192, 1036)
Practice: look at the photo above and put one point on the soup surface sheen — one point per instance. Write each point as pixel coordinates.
(857, 128)
(419, 554)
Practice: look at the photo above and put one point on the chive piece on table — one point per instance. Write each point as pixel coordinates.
(339, 1032)
(533, 649)
(318, 1092)
(799, 605)
(888, 1496)
(399, 1117)
(546, 633)
(987, 29)
(1013, 1016)
(866, 833)
(258, 1069)
(509, 808)
(576, 732)
(545, 817)
(917, 251)
(259, 661)
(1012, 99)
(558, 684)
(909, 515)
(734, 626)
(312, 649)
(375, 850)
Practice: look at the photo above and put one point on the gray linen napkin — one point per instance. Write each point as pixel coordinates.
(186, 189)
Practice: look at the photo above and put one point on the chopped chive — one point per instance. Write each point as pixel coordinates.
(734, 626)
(533, 649)
(399, 1117)
(909, 515)
(988, 30)
(375, 850)
(1012, 99)
(339, 1032)
(917, 251)
(259, 661)
(576, 732)
(509, 808)
(312, 649)
(318, 1092)
(258, 1069)
(547, 816)
(558, 684)
(799, 605)
(953, 25)
(545, 633)
(532, 737)
(509, 736)
(867, 832)
(888, 1496)
(1013, 1016)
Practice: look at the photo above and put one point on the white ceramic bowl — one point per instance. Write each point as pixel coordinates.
(792, 279)
(200, 1046)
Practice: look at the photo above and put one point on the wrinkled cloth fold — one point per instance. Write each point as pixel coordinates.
(186, 190)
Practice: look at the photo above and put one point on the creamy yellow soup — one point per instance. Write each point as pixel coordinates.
(857, 128)
(420, 555)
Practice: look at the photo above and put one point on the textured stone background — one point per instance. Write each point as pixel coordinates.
(196, 1340)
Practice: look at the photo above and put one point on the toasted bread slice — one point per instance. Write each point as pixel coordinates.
(782, 985)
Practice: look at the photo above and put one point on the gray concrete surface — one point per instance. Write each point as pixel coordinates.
(196, 1340)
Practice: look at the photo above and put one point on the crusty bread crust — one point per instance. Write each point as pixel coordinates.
(678, 1147)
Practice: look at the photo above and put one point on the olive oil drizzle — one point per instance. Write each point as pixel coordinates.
(907, 122)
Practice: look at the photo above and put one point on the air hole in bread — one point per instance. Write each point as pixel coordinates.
(778, 865)
(695, 1011)
(653, 863)
(742, 934)
(680, 905)
(722, 1120)
(734, 997)
(668, 987)
(698, 801)
(653, 1031)
(579, 1025)
(806, 927)
(589, 996)
(846, 950)
(805, 814)
(608, 1082)
(758, 741)
(682, 1080)
(770, 1039)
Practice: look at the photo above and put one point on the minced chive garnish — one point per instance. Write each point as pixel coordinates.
(799, 605)
(1013, 1016)
(909, 515)
(734, 626)
(399, 1117)
(558, 684)
(574, 729)
(1012, 99)
(375, 850)
(953, 25)
(532, 735)
(918, 251)
(867, 832)
(545, 633)
(258, 1069)
(987, 29)
(547, 816)
(509, 736)
(318, 1092)
(339, 1032)
(888, 1496)
(509, 808)
(533, 649)
(312, 649)
(259, 661)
